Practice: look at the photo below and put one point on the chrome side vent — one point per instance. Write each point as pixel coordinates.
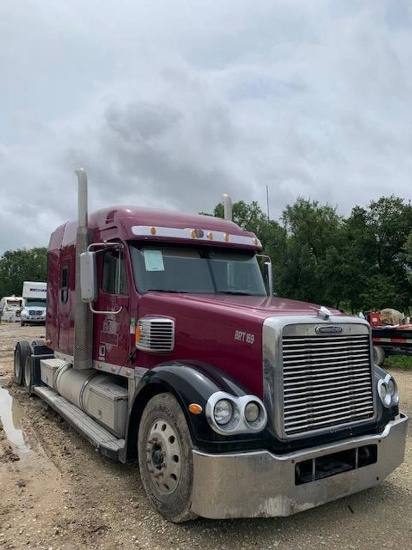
(156, 334)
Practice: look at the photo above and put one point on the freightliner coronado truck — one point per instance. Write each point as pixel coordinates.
(164, 346)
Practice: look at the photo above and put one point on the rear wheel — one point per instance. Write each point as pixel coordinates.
(21, 352)
(165, 458)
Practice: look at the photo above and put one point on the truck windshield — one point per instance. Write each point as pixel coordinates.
(35, 303)
(196, 270)
(13, 304)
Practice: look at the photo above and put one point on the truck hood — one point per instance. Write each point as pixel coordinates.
(257, 307)
(222, 331)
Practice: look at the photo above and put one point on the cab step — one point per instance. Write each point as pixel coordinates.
(99, 437)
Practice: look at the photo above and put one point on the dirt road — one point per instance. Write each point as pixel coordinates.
(56, 492)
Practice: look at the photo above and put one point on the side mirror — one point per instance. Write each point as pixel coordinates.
(88, 281)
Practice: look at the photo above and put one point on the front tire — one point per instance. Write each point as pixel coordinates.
(165, 458)
(21, 352)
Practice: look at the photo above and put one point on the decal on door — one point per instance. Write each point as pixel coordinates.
(109, 334)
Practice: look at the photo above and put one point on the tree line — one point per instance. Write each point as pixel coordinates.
(21, 265)
(360, 262)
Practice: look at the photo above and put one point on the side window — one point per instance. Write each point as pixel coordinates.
(114, 273)
(64, 288)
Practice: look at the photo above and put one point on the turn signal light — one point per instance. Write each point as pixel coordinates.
(194, 408)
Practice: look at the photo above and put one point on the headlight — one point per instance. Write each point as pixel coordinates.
(231, 415)
(252, 411)
(388, 391)
(223, 412)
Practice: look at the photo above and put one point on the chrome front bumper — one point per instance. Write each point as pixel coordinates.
(261, 484)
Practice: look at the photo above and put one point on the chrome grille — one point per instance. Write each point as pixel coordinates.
(327, 382)
(157, 334)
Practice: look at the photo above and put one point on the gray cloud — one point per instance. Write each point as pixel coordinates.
(171, 105)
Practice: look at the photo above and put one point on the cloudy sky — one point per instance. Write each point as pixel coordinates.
(170, 103)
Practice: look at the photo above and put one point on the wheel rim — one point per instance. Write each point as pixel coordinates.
(163, 457)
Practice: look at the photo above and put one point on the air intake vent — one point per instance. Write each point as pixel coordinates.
(156, 334)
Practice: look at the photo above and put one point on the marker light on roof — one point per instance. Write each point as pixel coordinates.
(191, 233)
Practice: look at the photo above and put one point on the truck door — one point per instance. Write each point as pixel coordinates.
(111, 326)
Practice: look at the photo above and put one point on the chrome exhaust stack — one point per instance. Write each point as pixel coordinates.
(83, 321)
(227, 207)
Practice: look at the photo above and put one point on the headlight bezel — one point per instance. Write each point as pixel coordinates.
(388, 391)
(238, 422)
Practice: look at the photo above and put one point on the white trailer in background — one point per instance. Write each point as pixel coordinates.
(34, 296)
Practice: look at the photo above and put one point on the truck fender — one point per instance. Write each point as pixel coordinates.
(190, 382)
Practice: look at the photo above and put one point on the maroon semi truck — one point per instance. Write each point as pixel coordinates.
(164, 344)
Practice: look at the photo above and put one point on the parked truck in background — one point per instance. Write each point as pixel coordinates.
(34, 297)
(10, 307)
(235, 403)
(391, 334)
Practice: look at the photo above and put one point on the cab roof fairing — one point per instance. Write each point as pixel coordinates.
(121, 222)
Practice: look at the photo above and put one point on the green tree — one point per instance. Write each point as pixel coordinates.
(408, 256)
(313, 252)
(21, 265)
(362, 262)
(378, 249)
(355, 265)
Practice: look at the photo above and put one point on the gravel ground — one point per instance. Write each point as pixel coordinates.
(56, 492)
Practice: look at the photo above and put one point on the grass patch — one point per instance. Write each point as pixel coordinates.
(398, 362)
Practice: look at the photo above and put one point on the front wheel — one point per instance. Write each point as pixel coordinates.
(165, 458)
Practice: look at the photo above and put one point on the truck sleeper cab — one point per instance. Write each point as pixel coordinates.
(234, 403)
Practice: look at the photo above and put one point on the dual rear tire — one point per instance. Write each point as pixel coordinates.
(24, 373)
(22, 352)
